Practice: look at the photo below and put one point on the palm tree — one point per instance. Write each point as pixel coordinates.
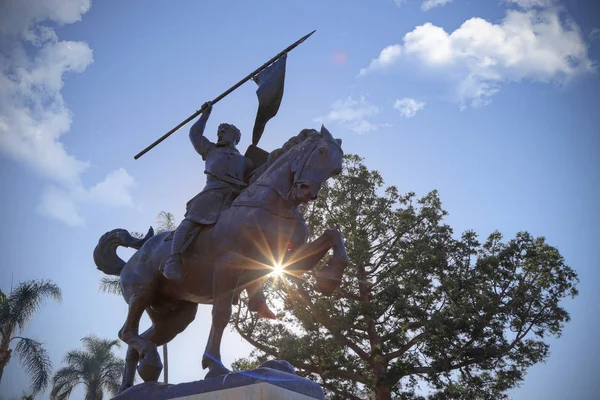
(16, 311)
(165, 221)
(96, 367)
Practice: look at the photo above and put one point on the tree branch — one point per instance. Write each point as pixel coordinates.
(405, 348)
(307, 367)
(339, 392)
(389, 249)
(436, 370)
(327, 323)
(265, 349)
(410, 327)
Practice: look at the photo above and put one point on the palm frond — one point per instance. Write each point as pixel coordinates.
(4, 315)
(26, 299)
(64, 382)
(78, 359)
(111, 285)
(94, 391)
(113, 370)
(100, 350)
(97, 346)
(34, 358)
(112, 386)
(95, 365)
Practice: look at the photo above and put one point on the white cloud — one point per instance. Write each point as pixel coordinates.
(57, 203)
(17, 17)
(429, 4)
(114, 190)
(533, 3)
(353, 115)
(408, 107)
(387, 57)
(594, 34)
(535, 42)
(33, 115)
(61, 203)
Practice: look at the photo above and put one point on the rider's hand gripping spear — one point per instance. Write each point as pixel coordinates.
(269, 77)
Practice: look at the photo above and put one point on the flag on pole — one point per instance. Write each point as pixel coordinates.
(270, 92)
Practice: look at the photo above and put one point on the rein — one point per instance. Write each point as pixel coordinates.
(297, 182)
(258, 204)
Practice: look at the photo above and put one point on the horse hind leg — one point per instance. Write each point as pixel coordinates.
(165, 327)
(129, 333)
(131, 361)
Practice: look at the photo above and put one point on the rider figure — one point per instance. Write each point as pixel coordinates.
(227, 173)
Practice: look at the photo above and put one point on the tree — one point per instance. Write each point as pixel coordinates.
(96, 367)
(16, 311)
(165, 221)
(418, 308)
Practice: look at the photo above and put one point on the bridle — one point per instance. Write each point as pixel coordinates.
(297, 182)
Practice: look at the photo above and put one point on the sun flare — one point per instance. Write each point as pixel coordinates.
(277, 270)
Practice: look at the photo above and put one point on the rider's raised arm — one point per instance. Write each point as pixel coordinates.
(202, 145)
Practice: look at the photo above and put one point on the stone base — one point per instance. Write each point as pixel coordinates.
(257, 391)
(258, 384)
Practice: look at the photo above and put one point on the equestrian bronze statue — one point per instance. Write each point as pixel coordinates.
(261, 226)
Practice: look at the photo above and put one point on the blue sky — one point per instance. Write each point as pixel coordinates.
(492, 102)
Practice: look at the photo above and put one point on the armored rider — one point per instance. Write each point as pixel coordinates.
(227, 172)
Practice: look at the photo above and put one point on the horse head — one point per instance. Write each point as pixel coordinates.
(319, 158)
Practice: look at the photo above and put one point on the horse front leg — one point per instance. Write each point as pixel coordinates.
(225, 280)
(307, 257)
(221, 312)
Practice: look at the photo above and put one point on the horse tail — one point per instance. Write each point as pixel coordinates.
(105, 253)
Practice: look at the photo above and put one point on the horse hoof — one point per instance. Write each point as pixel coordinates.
(150, 366)
(326, 286)
(330, 277)
(261, 308)
(216, 370)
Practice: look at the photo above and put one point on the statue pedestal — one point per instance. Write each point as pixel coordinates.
(257, 391)
(258, 384)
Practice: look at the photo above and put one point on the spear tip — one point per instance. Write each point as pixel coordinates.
(309, 35)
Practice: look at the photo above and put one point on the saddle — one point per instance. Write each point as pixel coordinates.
(190, 237)
(189, 240)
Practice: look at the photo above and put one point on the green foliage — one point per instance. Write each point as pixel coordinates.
(95, 366)
(36, 362)
(165, 221)
(245, 364)
(111, 285)
(25, 300)
(417, 305)
(16, 311)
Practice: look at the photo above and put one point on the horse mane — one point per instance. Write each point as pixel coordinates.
(294, 140)
(277, 153)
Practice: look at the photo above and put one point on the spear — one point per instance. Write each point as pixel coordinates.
(225, 93)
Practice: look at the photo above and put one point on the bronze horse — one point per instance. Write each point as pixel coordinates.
(263, 226)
